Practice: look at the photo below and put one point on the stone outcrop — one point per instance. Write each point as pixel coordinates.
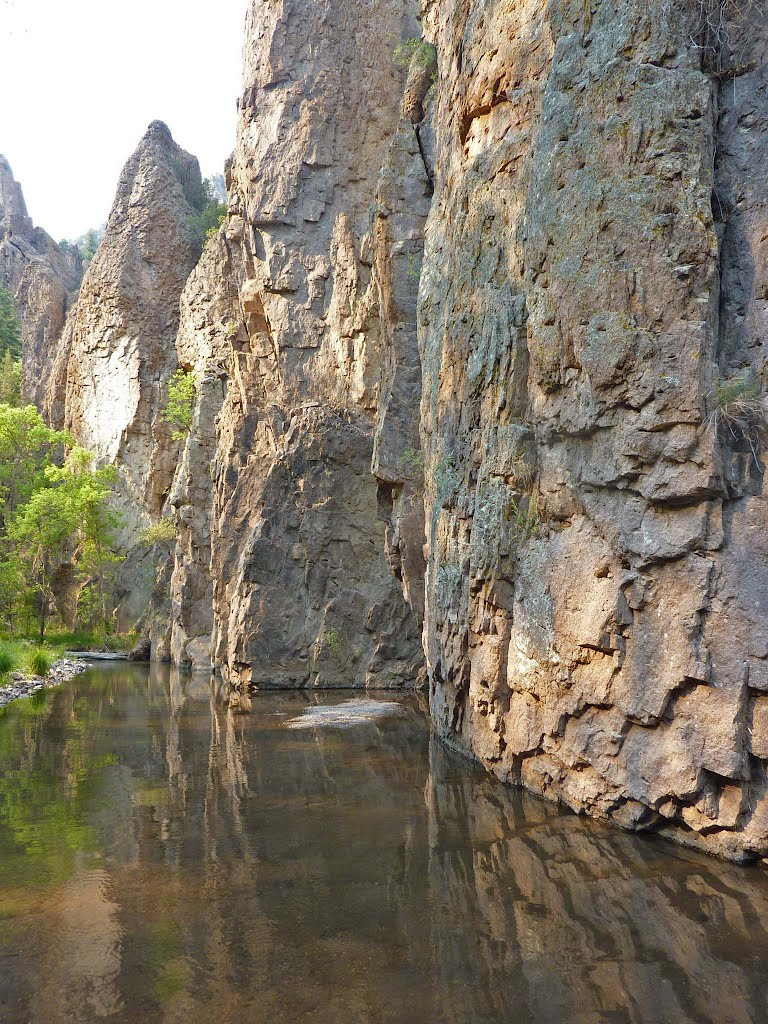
(118, 348)
(591, 302)
(292, 357)
(41, 276)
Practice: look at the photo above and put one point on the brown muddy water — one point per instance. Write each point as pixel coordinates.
(162, 860)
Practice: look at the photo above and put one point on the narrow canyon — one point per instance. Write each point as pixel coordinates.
(479, 364)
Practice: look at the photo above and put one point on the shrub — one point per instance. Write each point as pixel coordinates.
(161, 532)
(412, 458)
(180, 406)
(333, 640)
(416, 51)
(739, 411)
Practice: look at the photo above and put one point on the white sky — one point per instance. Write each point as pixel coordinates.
(80, 80)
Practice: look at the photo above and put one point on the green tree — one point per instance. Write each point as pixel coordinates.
(10, 327)
(10, 379)
(90, 244)
(27, 448)
(211, 211)
(69, 520)
(180, 407)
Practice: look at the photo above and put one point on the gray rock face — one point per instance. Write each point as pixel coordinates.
(293, 365)
(118, 349)
(43, 279)
(597, 581)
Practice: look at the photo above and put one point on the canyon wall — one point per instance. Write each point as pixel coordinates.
(300, 324)
(41, 276)
(108, 382)
(592, 325)
(479, 362)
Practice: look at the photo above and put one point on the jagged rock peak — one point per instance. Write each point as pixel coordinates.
(41, 276)
(14, 218)
(119, 347)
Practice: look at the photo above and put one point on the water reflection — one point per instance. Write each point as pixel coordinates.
(164, 859)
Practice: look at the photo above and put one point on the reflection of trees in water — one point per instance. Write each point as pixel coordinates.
(543, 917)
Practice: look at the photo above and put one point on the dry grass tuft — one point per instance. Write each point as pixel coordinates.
(723, 32)
(739, 412)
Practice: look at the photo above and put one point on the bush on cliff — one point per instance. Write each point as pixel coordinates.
(180, 405)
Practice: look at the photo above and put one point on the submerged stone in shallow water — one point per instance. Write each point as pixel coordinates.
(351, 712)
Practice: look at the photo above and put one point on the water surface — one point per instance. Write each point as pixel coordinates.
(162, 860)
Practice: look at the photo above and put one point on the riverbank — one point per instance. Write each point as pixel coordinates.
(22, 685)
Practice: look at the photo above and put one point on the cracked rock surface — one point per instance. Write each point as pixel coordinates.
(597, 583)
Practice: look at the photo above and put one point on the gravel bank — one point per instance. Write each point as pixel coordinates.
(25, 686)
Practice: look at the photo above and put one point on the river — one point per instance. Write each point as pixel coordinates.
(163, 860)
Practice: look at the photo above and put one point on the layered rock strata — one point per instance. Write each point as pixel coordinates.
(302, 592)
(591, 308)
(118, 348)
(41, 276)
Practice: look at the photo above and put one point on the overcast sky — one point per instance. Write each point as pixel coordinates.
(80, 80)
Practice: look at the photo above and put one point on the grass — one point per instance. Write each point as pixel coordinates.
(525, 515)
(40, 661)
(19, 654)
(739, 411)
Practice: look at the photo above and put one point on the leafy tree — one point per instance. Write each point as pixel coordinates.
(68, 520)
(179, 408)
(10, 380)
(27, 448)
(10, 327)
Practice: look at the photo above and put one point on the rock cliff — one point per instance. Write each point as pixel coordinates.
(592, 329)
(292, 357)
(42, 278)
(118, 348)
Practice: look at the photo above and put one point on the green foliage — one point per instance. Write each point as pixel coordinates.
(54, 512)
(211, 212)
(412, 458)
(10, 327)
(27, 450)
(416, 51)
(69, 519)
(9, 658)
(10, 380)
(524, 515)
(90, 244)
(180, 407)
(39, 662)
(333, 640)
(161, 532)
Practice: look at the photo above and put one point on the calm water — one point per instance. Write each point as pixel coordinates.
(162, 860)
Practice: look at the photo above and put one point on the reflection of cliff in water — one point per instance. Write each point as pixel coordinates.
(543, 917)
(166, 859)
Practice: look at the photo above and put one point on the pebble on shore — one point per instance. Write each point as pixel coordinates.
(25, 686)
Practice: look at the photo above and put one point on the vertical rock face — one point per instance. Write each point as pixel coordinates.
(591, 303)
(302, 588)
(42, 278)
(118, 348)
